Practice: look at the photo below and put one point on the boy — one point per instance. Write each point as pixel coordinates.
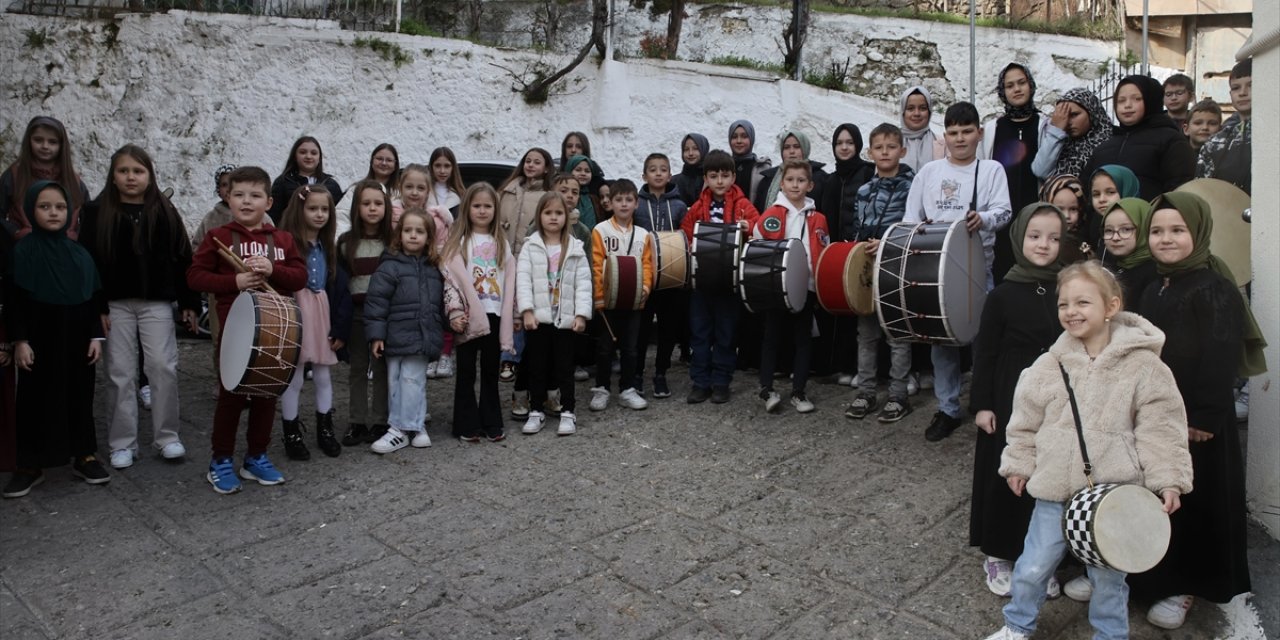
(792, 216)
(950, 189)
(1228, 155)
(1203, 120)
(1179, 91)
(713, 315)
(660, 209)
(882, 201)
(272, 259)
(618, 236)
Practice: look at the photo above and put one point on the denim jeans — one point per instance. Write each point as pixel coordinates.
(713, 321)
(407, 392)
(1042, 551)
(868, 356)
(947, 379)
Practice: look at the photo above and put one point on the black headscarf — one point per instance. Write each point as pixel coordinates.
(1152, 98)
(1025, 111)
(846, 168)
(48, 265)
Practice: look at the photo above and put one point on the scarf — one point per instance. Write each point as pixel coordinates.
(772, 194)
(1024, 270)
(704, 147)
(751, 135)
(1126, 181)
(846, 168)
(1077, 151)
(1025, 111)
(1152, 99)
(1139, 213)
(919, 143)
(586, 209)
(49, 266)
(1072, 238)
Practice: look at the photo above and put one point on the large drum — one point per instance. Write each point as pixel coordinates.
(843, 279)
(261, 343)
(671, 257)
(1117, 526)
(715, 257)
(930, 283)
(1230, 240)
(774, 274)
(623, 282)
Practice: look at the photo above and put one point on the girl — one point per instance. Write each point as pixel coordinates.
(1067, 194)
(553, 293)
(359, 251)
(141, 248)
(587, 173)
(416, 193)
(922, 145)
(1018, 324)
(604, 196)
(448, 189)
(384, 166)
(792, 145)
(840, 195)
(520, 193)
(1212, 339)
(1147, 140)
(304, 166)
(1078, 126)
(748, 168)
(50, 315)
(479, 262)
(404, 320)
(312, 221)
(1126, 251)
(575, 143)
(45, 154)
(1108, 184)
(693, 149)
(219, 215)
(1134, 426)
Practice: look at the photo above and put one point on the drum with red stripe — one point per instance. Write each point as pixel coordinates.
(843, 279)
(623, 282)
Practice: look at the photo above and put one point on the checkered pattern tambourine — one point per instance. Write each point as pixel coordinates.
(1078, 523)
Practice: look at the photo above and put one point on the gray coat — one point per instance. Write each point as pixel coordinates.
(405, 307)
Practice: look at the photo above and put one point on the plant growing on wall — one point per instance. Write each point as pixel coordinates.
(793, 37)
(536, 82)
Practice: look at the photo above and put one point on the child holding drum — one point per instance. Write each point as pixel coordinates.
(617, 242)
(1134, 427)
(661, 211)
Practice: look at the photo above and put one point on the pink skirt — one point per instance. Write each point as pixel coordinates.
(314, 309)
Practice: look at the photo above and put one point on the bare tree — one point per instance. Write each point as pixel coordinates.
(794, 35)
(537, 88)
(675, 22)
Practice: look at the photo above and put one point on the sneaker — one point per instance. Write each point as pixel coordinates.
(375, 433)
(144, 394)
(90, 470)
(172, 451)
(894, 410)
(444, 368)
(771, 400)
(1171, 612)
(1008, 634)
(660, 388)
(856, 381)
(393, 440)
(433, 369)
(719, 393)
(913, 383)
(568, 424)
(941, 427)
(580, 374)
(122, 458)
(472, 439)
(1242, 404)
(22, 482)
(698, 395)
(844, 379)
(508, 372)
(800, 402)
(356, 434)
(999, 576)
(222, 475)
(926, 381)
(862, 406)
(1079, 588)
(420, 440)
(630, 398)
(599, 398)
(1053, 590)
(534, 423)
(260, 468)
(497, 437)
(519, 404)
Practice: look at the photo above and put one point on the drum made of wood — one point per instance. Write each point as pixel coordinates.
(930, 283)
(1230, 240)
(623, 282)
(716, 249)
(843, 279)
(261, 344)
(773, 274)
(671, 258)
(1117, 526)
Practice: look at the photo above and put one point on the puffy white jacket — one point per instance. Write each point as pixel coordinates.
(533, 290)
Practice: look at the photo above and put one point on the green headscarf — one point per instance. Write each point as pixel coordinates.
(1126, 182)
(586, 210)
(48, 265)
(1195, 212)
(1023, 270)
(1139, 213)
(771, 195)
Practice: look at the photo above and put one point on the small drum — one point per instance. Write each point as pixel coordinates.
(843, 279)
(930, 283)
(671, 255)
(1117, 526)
(715, 257)
(623, 282)
(774, 274)
(261, 344)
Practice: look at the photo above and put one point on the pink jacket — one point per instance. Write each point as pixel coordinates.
(455, 270)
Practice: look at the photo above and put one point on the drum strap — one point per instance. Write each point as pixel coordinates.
(1075, 413)
(973, 204)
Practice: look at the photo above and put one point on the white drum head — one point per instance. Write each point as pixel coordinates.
(1131, 529)
(795, 282)
(963, 278)
(238, 334)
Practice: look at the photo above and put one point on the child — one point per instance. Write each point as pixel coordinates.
(142, 251)
(748, 168)
(587, 173)
(359, 251)
(447, 191)
(693, 149)
(1018, 324)
(304, 166)
(882, 202)
(621, 327)
(384, 166)
(50, 312)
(416, 192)
(1134, 429)
(478, 261)
(792, 216)
(1067, 194)
(575, 143)
(1125, 246)
(219, 215)
(1108, 184)
(520, 193)
(792, 145)
(45, 154)
(404, 320)
(921, 144)
(553, 293)
(840, 205)
(1147, 141)
(603, 193)
(713, 316)
(312, 220)
(1179, 91)
(959, 187)
(1078, 126)
(1228, 155)
(1203, 121)
(271, 258)
(584, 343)
(660, 209)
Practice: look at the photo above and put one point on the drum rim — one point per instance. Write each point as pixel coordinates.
(1100, 491)
(792, 244)
(738, 235)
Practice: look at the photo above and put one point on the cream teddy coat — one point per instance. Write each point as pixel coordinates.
(533, 289)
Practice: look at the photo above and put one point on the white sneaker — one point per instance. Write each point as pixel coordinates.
(580, 374)
(1242, 404)
(999, 576)
(856, 381)
(845, 379)
(432, 368)
(393, 440)
(771, 400)
(534, 423)
(801, 403)
(444, 367)
(171, 451)
(121, 459)
(1053, 590)
(1171, 612)
(144, 394)
(1008, 634)
(631, 399)
(599, 398)
(913, 383)
(1079, 588)
(926, 380)
(568, 424)
(421, 440)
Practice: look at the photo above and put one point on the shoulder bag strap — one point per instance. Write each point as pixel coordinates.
(1075, 413)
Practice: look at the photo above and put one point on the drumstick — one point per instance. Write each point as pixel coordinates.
(608, 326)
(237, 262)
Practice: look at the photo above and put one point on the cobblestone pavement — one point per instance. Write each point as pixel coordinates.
(681, 521)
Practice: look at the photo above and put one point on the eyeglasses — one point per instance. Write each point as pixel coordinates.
(1175, 93)
(1123, 233)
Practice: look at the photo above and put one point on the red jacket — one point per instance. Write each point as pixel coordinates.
(210, 273)
(772, 225)
(736, 208)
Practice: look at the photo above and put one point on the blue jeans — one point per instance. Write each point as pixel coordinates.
(947, 379)
(517, 342)
(1042, 551)
(407, 391)
(713, 321)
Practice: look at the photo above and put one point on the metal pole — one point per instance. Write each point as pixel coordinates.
(973, 49)
(1146, 15)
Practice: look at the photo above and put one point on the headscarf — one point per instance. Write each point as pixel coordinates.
(1074, 246)
(1077, 151)
(586, 210)
(1152, 98)
(49, 266)
(846, 168)
(1126, 182)
(751, 135)
(219, 172)
(1195, 212)
(1024, 270)
(1139, 213)
(1025, 111)
(772, 194)
(919, 144)
(704, 147)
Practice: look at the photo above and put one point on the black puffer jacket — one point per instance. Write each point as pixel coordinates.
(840, 193)
(284, 186)
(405, 307)
(1154, 149)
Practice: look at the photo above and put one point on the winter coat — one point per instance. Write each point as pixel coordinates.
(517, 207)
(772, 225)
(817, 174)
(137, 268)
(210, 273)
(405, 307)
(662, 212)
(284, 186)
(533, 290)
(689, 181)
(881, 203)
(1135, 425)
(456, 271)
(839, 200)
(1154, 148)
(1228, 155)
(736, 209)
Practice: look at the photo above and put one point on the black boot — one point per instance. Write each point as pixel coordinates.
(356, 434)
(294, 447)
(324, 435)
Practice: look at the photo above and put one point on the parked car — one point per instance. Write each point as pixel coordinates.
(492, 171)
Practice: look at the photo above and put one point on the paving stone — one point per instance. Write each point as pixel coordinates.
(786, 520)
(301, 557)
(215, 617)
(596, 607)
(511, 571)
(697, 630)
(664, 550)
(447, 620)
(852, 615)
(449, 528)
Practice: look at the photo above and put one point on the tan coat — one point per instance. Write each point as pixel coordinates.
(516, 209)
(1135, 425)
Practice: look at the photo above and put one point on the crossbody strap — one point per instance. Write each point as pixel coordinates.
(1075, 413)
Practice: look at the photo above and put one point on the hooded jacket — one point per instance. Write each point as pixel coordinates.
(689, 181)
(736, 209)
(211, 274)
(1154, 148)
(773, 225)
(839, 196)
(405, 307)
(662, 212)
(533, 289)
(455, 271)
(882, 202)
